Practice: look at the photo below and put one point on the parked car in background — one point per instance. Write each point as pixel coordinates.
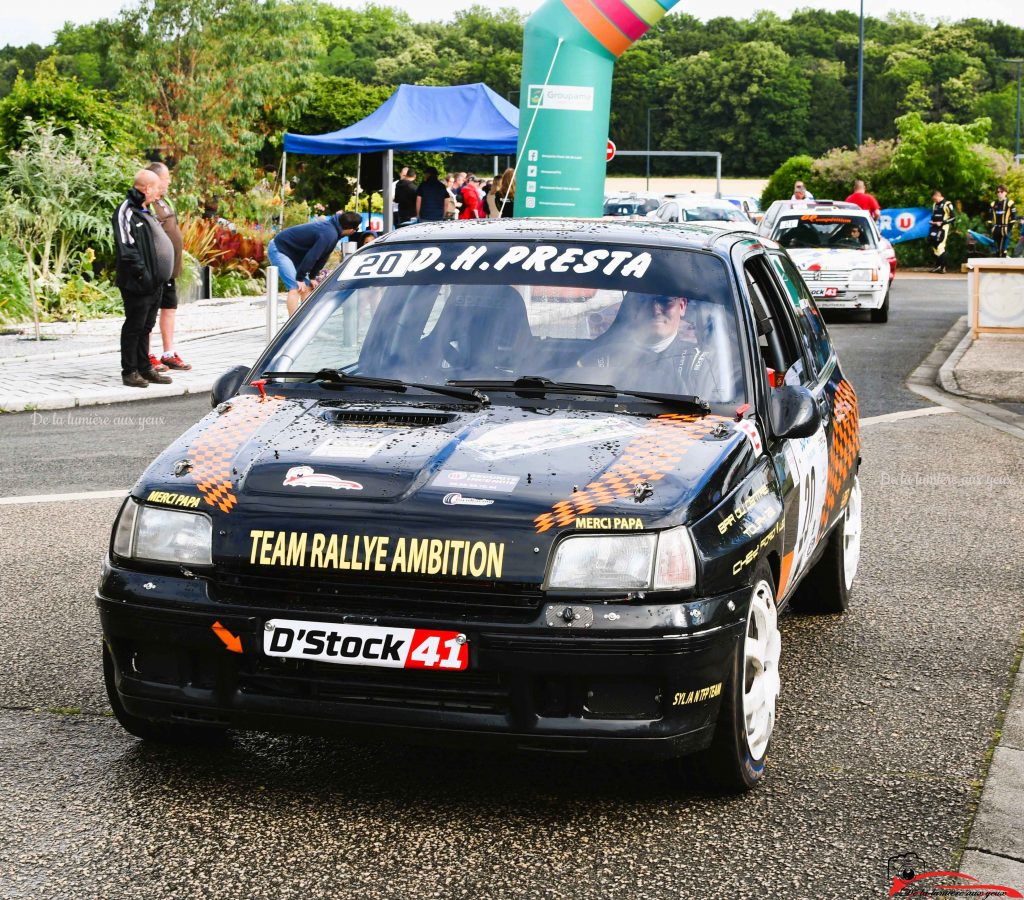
(839, 251)
(686, 208)
(631, 204)
(751, 206)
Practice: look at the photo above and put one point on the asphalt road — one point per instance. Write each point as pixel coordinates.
(884, 720)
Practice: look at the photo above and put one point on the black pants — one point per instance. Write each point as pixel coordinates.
(1002, 238)
(139, 318)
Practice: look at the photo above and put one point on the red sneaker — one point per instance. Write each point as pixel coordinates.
(175, 362)
(156, 364)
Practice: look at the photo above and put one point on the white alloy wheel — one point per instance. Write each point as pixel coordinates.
(851, 534)
(761, 650)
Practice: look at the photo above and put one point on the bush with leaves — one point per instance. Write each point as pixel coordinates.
(52, 97)
(15, 304)
(57, 196)
(941, 155)
(835, 172)
(780, 185)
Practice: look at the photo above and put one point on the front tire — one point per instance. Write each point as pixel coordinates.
(738, 752)
(827, 588)
(881, 315)
(158, 732)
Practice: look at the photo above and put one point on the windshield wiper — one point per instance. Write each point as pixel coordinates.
(336, 376)
(533, 385)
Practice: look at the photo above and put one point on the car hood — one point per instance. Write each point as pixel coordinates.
(499, 475)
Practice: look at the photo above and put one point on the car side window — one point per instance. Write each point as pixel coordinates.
(812, 330)
(777, 338)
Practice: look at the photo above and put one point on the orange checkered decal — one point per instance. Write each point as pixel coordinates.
(648, 457)
(214, 450)
(842, 454)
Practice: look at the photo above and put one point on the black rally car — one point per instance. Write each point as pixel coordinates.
(537, 482)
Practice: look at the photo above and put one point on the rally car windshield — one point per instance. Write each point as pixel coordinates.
(654, 320)
(824, 231)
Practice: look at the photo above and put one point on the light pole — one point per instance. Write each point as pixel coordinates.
(860, 80)
(1019, 63)
(650, 109)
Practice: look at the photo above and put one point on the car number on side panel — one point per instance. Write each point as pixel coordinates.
(367, 645)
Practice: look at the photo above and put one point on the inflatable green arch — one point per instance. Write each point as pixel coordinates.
(569, 52)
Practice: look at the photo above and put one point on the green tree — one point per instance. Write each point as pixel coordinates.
(84, 52)
(14, 60)
(209, 72)
(940, 155)
(57, 196)
(52, 97)
(752, 103)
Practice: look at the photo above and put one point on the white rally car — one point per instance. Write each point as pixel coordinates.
(839, 252)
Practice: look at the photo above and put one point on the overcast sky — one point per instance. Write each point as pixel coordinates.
(24, 23)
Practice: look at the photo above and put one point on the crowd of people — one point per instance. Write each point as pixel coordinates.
(462, 195)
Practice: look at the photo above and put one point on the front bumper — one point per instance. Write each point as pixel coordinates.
(856, 296)
(642, 680)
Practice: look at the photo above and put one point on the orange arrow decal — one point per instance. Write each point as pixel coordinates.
(234, 644)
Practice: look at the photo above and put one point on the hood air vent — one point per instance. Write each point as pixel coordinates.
(384, 417)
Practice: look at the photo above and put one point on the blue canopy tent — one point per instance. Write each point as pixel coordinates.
(466, 118)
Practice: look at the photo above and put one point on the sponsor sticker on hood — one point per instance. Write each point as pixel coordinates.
(305, 476)
(519, 439)
(456, 499)
(354, 444)
(477, 481)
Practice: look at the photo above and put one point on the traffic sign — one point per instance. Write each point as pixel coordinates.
(609, 153)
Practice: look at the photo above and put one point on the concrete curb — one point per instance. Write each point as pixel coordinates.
(925, 381)
(252, 303)
(947, 374)
(100, 350)
(202, 385)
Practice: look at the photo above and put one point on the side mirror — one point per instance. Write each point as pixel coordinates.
(794, 412)
(225, 387)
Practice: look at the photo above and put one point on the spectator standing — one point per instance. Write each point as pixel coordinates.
(451, 207)
(300, 252)
(472, 207)
(505, 201)
(144, 263)
(864, 200)
(487, 198)
(405, 196)
(431, 197)
(168, 219)
(943, 216)
(394, 191)
(1001, 214)
(801, 193)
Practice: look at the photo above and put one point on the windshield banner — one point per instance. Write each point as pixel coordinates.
(583, 265)
(905, 224)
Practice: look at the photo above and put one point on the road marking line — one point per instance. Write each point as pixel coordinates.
(57, 498)
(905, 414)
